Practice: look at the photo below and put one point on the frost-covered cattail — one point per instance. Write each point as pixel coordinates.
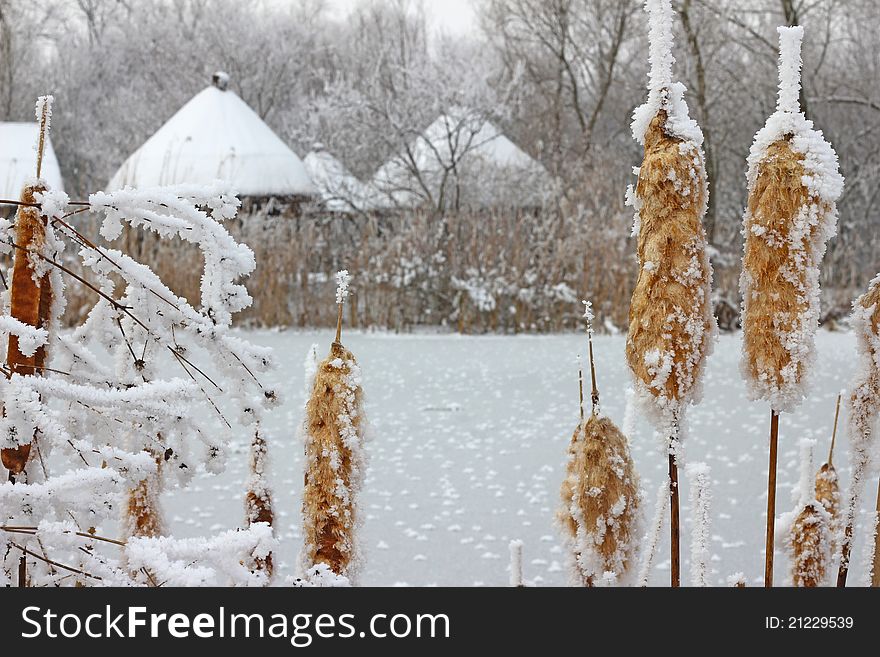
(809, 529)
(30, 288)
(258, 499)
(863, 406)
(335, 462)
(793, 183)
(671, 325)
(600, 496)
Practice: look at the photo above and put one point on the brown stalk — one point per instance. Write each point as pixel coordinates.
(771, 500)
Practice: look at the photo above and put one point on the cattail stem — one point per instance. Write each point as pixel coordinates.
(339, 324)
(594, 393)
(875, 564)
(771, 500)
(834, 431)
(674, 529)
(581, 388)
(42, 143)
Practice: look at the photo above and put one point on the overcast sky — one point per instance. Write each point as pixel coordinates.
(452, 16)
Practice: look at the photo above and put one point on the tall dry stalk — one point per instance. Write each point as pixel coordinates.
(864, 407)
(258, 499)
(30, 287)
(827, 484)
(670, 321)
(335, 462)
(793, 183)
(600, 495)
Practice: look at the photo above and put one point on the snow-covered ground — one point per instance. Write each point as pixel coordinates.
(468, 443)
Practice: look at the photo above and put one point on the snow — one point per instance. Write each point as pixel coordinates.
(343, 279)
(452, 486)
(466, 142)
(18, 159)
(663, 92)
(216, 135)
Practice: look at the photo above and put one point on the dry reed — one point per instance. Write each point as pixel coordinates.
(335, 462)
(793, 183)
(600, 493)
(600, 498)
(30, 288)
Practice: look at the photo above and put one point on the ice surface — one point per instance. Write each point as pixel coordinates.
(468, 448)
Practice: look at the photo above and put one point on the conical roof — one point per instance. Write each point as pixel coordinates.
(216, 135)
(463, 144)
(18, 159)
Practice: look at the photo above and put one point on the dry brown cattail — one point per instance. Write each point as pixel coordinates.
(600, 493)
(793, 184)
(335, 462)
(810, 542)
(258, 500)
(864, 407)
(30, 288)
(809, 528)
(670, 323)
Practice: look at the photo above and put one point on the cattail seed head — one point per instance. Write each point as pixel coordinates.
(600, 498)
(335, 463)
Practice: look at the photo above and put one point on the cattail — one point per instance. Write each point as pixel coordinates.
(30, 288)
(142, 514)
(793, 184)
(863, 405)
(810, 529)
(335, 462)
(258, 500)
(671, 325)
(600, 495)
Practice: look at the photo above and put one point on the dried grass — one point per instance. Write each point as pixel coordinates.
(600, 499)
(334, 469)
(670, 310)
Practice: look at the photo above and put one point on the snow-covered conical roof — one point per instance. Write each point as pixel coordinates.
(477, 148)
(18, 159)
(216, 135)
(339, 189)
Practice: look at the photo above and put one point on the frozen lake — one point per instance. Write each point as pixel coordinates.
(468, 446)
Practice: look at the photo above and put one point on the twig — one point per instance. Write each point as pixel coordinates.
(53, 563)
